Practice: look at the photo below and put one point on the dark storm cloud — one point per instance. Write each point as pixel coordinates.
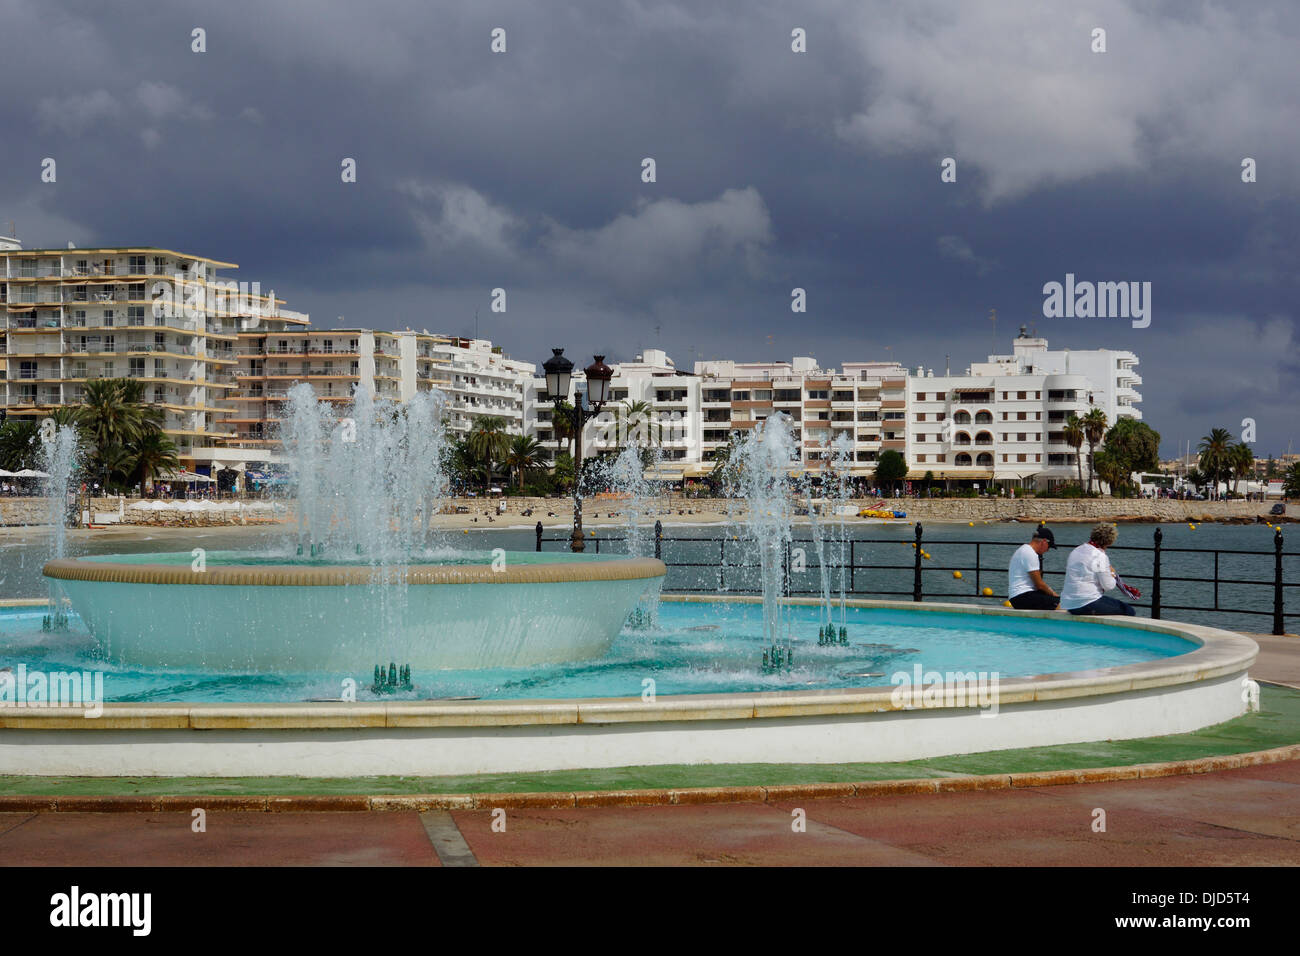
(775, 170)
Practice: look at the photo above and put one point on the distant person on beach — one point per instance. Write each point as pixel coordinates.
(1026, 588)
(1088, 576)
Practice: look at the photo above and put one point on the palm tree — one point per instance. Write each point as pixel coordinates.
(114, 462)
(1291, 481)
(1094, 427)
(524, 455)
(112, 410)
(1074, 436)
(153, 455)
(562, 424)
(632, 416)
(1215, 449)
(18, 444)
(489, 443)
(1242, 462)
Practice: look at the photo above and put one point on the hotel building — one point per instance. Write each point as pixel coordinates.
(1000, 421)
(68, 316)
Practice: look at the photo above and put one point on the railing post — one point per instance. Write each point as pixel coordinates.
(1155, 577)
(916, 572)
(659, 538)
(1216, 579)
(1278, 627)
(539, 536)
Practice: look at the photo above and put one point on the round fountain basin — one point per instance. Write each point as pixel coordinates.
(236, 613)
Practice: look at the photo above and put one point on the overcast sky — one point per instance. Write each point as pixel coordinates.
(775, 169)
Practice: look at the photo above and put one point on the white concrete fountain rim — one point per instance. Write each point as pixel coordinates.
(1219, 654)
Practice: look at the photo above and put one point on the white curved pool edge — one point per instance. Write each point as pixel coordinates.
(867, 725)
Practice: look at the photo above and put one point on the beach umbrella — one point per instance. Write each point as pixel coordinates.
(30, 473)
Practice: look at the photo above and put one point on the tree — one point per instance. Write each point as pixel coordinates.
(1133, 446)
(1113, 468)
(563, 473)
(637, 418)
(1094, 428)
(152, 455)
(1291, 481)
(891, 468)
(19, 444)
(1242, 462)
(523, 456)
(462, 468)
(489, 442)
(1215, 456)
(114, 419)
(1074, 436)
(562, 424)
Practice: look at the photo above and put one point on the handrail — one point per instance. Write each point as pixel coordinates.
(1157, 605)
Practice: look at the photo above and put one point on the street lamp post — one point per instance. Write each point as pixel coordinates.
(559, 375)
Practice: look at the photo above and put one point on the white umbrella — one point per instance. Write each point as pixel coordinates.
(29, 473)
(8, 474)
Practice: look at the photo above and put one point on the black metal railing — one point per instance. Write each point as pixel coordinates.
(852, 571)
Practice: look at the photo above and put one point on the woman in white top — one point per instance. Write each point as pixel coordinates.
(1088, 576)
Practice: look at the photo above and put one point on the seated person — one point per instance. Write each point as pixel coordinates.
(1088, 576)
(1026, 588)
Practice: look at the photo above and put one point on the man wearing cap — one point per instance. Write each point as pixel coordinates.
(1026, 588)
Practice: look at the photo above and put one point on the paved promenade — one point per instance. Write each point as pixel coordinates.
(1249, 816)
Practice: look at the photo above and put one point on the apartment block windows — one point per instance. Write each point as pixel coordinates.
(137, 265)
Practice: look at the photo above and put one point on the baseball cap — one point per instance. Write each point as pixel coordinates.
(1046, 535)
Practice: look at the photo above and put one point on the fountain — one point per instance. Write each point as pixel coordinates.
(761, 465)
(360, 581)
(59, 456)
(624, 475)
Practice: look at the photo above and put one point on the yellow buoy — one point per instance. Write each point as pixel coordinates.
(987, 592)
(1192, 526)
(971, 523)
(466, 531)
(957, 575)
(1006, 604)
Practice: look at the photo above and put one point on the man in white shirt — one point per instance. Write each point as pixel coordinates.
(1088, 576)
(1026, 589)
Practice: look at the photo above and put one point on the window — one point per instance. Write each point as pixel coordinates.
(159, 265)
(1021, 396)
(1021, 416)
(920, 396)
(941, 458)
(1038, 394)
(1022, 457)
(159, 368)
(920, 458)
(1038, 416)
(1004, 458)
(938, 396)
(1021, 436)
(920, 416)
(108, 317)
(137, 265)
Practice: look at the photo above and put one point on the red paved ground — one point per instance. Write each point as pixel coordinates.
(1238, 817)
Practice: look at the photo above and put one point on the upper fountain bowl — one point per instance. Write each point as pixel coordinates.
(240, 612)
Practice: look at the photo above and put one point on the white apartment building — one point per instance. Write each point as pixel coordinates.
(999, 421)
(480, 381)
(165, 318)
